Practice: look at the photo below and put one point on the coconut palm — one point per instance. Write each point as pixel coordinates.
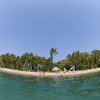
(53, 51)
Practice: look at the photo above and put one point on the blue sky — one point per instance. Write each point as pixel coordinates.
(38, 25)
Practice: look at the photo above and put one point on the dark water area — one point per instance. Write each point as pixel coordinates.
(86, 87)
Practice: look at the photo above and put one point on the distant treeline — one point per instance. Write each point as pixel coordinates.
(28, 61)
(82, 61)
(31, 62)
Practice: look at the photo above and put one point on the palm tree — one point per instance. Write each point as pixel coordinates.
(53, 51)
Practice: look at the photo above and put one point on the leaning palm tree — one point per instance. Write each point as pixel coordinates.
(53, 51)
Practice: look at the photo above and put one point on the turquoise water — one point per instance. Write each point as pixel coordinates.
(69, 88)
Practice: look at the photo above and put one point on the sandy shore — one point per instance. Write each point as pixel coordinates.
(47, 74)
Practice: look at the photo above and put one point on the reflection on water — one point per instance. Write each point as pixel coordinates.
(66, 88)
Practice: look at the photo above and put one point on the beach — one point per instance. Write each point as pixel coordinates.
(48, 74)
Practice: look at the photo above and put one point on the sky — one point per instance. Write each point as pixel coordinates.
(38, 25)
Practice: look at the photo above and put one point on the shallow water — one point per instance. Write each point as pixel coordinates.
(69, 88)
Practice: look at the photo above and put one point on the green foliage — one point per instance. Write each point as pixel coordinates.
(82, 61)
(26, 62)
(31, 62)
(53, 51)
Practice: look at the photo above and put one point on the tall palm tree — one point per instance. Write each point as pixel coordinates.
(53, 51)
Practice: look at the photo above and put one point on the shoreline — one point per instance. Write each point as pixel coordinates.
(48, 74)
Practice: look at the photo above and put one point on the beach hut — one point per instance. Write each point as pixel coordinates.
(55, 69)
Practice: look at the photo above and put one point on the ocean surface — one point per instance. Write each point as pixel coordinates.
(85, 87)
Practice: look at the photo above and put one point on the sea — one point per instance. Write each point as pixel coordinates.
(85, 87)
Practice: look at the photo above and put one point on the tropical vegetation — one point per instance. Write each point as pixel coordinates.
(31, 62)
(81, 60)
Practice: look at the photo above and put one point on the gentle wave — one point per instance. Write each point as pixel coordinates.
(66, 88)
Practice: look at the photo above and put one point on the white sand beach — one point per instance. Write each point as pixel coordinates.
(48, 74)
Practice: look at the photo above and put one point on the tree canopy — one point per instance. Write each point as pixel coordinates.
(31, 62)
